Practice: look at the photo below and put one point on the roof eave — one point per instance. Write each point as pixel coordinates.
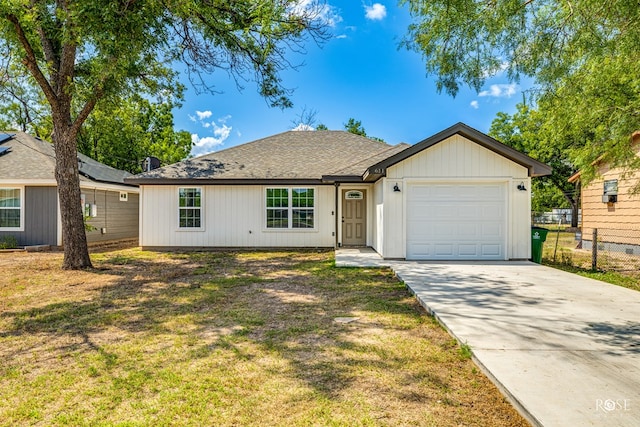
(104, 181)
(235, 181)
(534, 167)
(341, 178)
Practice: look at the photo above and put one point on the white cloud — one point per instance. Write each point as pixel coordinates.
(208, 144)
(474, 104)
(347, 29)
(500, 91)
(377, 12)
(219, 129)
(203, 114)
(303, 126)
(487, 74)
(322, 12)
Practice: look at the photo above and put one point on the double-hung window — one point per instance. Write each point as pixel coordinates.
(190, 207)
(11, 215)
(290, 208)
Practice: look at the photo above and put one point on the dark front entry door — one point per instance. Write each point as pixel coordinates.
(354, 218)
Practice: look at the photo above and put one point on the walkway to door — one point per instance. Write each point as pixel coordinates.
(565, 349)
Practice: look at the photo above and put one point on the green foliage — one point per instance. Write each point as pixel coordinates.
(528, 131)
(581, 54)
(22, 106)
(87, 226)
(465, 351)
(8, 242)
(355, 126)
(322, 127)
(123, 134)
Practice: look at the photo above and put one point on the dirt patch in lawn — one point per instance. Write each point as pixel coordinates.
(234, 338)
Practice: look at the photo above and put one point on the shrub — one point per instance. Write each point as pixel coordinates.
(8, 242)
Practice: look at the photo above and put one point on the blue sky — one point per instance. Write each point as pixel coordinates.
(361, 73)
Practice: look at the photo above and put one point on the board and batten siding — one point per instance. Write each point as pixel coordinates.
(455, 160)
(40, 216)
(233, 216)
(116, 219)
(622, 216)
(378, 216)
(456, 157)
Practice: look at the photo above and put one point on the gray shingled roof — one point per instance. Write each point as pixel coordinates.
(293, 155)
(313, 156)
(32, 158)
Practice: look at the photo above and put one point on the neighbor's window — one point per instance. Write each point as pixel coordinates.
(611, 187)
(190, 211)
(10, 208)
(290, 207)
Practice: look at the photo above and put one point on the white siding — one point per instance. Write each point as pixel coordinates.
(233, 216)
(456, 159)
(519, 220)
(378, 216)
(394, 219)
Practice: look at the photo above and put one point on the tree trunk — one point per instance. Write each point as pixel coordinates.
(575, 205)
(74, 239)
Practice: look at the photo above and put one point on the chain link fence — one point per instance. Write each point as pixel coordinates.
(613, 250)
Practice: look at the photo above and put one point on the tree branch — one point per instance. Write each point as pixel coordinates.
(31, 62)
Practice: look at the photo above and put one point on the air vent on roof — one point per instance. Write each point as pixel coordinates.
(4, 150)
(6, 136)
(150, 163)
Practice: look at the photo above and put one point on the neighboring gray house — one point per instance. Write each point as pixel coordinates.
(29, 208)
(458, 194)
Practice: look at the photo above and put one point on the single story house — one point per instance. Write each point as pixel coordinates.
(610, 206)
(29, 207)
(458, 194)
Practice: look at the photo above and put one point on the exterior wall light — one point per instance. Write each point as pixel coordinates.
(521, 186)
(396, 188)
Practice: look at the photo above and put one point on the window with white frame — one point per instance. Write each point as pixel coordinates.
(11, 208)
(290, 208)
(190, 207)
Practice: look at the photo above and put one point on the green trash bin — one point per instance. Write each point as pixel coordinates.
(538, 236)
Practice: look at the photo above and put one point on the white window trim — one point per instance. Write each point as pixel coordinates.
(22, 189)
(290, 208)
(188, 229)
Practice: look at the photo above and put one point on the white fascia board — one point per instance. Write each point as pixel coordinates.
(90, 185)
(29, 182)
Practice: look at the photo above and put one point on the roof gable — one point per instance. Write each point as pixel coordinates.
(534, 167)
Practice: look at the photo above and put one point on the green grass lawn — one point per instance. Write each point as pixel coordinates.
(578, 261)
(228, 339)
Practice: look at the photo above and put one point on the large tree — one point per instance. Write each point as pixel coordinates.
(528, 131)
(582, 55)
(123, 134)
(120, 133)
(80, 52)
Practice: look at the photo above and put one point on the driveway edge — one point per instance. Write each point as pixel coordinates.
(519, 406)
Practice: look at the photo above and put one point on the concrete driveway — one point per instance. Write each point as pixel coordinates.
(565, 349)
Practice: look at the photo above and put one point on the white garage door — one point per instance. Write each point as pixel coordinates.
(456, 221)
